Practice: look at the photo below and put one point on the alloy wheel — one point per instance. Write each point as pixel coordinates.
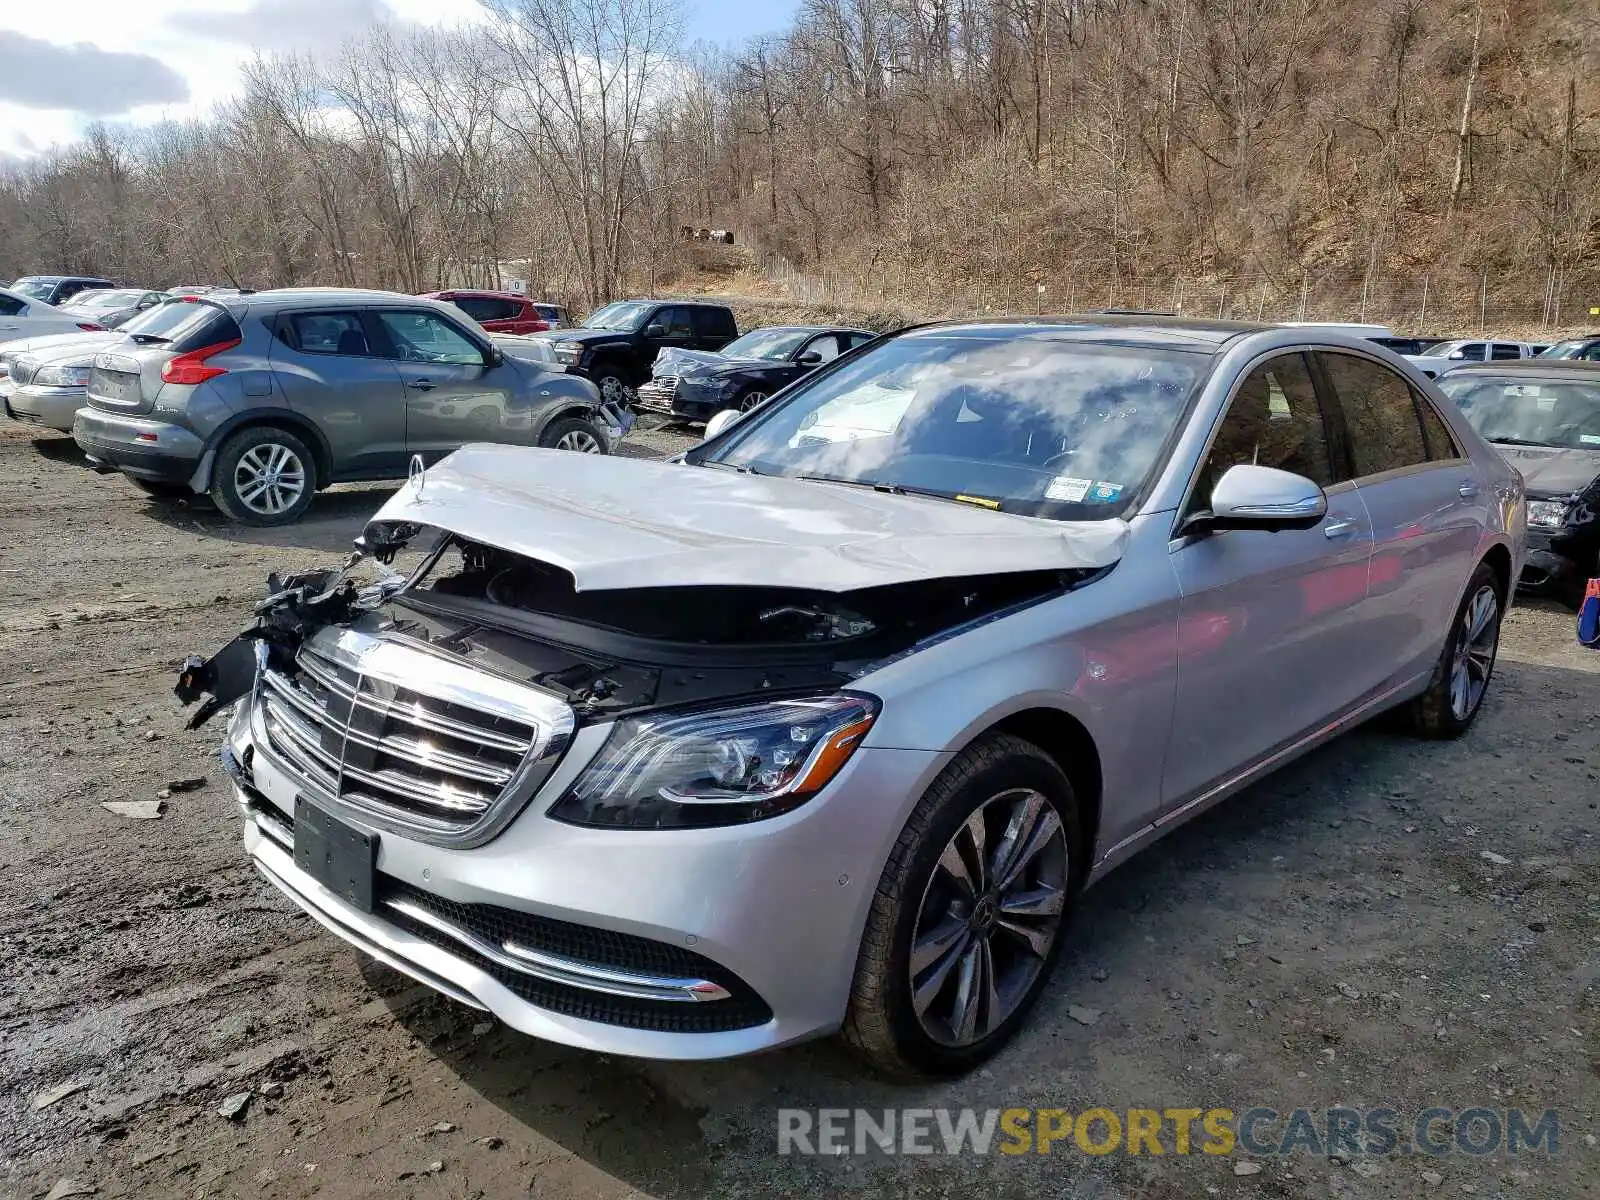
(1473, 661)
(580, 440)
(989, 917)
(269, 479)
(614, 391)
(750, 400)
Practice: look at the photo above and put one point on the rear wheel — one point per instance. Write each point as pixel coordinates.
(264, 476)
(573, 433)
(1461, 676)
(967, 920)
(750, 400)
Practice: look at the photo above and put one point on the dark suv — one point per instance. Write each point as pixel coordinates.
(58, 289)
(617, 345)
(263, 399)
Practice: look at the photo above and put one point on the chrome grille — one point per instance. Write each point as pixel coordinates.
(658, 393)
(406, 736)
(22, 371)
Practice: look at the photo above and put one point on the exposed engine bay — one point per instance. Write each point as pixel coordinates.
(613, 651)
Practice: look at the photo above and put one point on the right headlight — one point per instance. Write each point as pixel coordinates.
(62, 377)
(721, 766)
(1547, 514)
(569, 352)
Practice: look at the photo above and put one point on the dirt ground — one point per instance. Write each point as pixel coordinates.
(146, 962)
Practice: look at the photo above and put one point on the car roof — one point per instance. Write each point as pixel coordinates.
(1181, 333)
(277, 298)
(1532, 368)
(487, 293)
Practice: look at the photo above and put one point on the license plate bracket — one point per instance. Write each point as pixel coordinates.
(342, 859)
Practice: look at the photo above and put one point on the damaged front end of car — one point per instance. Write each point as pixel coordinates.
(510, 782)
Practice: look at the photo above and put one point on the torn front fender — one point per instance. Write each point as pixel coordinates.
(294, 608)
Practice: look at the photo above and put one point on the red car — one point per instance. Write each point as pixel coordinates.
(497, 312)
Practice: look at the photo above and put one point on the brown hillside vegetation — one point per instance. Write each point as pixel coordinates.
(1430, 162)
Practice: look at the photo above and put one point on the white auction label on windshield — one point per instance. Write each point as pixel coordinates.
(1063, 487)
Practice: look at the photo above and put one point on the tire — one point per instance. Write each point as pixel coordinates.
(614, 387)
(573, 433)
(751, 400)
(264, 452)
(904, 1034)
(1442, 711)
(161, 491)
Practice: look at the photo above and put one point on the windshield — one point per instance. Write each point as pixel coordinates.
(105, 299)
(767, 343)
(1010, 418)
(1442, 350)
(1520, 412)
(37, 289)
(170, 320)
(1570, 348)
(624, 316)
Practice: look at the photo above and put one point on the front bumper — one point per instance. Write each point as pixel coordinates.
(684, 400)
(136, 446)
(768, 915)
(1550, 565)
(49, 406)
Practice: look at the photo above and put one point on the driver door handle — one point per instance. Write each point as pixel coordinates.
(422, 385)
(1336, 529)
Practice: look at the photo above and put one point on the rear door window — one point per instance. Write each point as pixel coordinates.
(328, 333)
(1380, 417)
(1441, 442)
(714, 323)
(1505, 350)
(486, 308)
(11, 306)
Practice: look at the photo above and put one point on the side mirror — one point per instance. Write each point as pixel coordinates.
(1265, 498)
(493, 356)
(810, 358)
(655, 330)
(1458, 354)
(720, 421)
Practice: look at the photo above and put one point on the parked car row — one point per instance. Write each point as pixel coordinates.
(802, 732)
(260, 400)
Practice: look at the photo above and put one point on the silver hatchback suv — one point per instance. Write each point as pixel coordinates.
(261, 400)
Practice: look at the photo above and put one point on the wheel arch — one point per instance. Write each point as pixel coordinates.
(269, 418)
(1072, 747)
(1498, 558)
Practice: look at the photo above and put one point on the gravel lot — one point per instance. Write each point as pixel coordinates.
(147, 962)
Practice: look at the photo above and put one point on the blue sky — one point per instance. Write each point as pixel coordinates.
(138, 61)
(736, 20)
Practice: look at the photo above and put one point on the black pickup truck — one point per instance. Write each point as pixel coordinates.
(617, 344)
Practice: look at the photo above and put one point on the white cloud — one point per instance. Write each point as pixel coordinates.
(204, 42)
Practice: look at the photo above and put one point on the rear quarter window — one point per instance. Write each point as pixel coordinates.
(186, 325)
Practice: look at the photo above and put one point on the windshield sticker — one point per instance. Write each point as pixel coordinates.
(1104, 493)
(980, 501)
(1523, 389)
(1589, 439)
(1546, 403)
(1064, 487)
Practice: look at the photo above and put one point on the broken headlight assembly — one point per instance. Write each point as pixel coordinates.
(722, 766)
(1547, 514)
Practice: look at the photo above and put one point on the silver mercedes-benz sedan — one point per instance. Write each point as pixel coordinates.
(828, 724)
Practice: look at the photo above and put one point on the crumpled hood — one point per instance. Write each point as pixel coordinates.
(697, 364)
(1553, 472)
(628, 522)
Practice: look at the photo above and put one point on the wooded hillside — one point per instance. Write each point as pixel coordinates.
(1431, 162)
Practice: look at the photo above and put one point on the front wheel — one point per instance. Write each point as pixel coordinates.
(1461, 676)
(613, 387)
(573, 433)
(264, 476)
(752, 400)
(967, 920)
